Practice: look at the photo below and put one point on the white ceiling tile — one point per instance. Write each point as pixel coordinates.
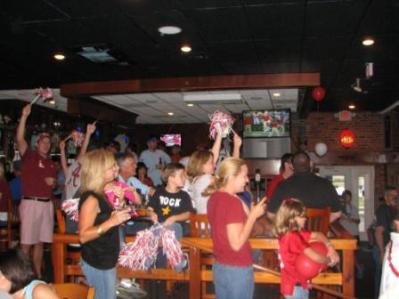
(152, 107)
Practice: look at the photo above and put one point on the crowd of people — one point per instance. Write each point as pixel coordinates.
(168, 188)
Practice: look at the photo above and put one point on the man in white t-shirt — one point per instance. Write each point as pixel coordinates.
(154, 159)
(72, 174)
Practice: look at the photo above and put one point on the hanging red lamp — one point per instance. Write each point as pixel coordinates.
(347, 138)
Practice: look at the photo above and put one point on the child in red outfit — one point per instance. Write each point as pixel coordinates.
(294, 240)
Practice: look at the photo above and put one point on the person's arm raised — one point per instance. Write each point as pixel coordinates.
(217, 144)
(21, 142)
(91, 128)
(64, 163)
(237, 141)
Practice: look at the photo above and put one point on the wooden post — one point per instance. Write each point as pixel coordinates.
(58, 254)
(195, 273)
(348, 272)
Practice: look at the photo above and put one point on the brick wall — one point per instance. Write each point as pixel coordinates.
(368, 128)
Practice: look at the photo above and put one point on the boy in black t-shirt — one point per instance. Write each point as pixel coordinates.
(170, 205)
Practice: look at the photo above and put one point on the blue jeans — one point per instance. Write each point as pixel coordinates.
(233, 282)
(299, 293)
(104, 281)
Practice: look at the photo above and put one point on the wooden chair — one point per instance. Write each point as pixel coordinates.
(200, 228)
(72, 256)
(11, 229)
(318, 220)
(74, 291)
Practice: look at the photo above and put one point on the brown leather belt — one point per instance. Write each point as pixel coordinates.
(42, 199)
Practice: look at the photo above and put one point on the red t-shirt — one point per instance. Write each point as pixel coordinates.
(5, 195)
(147, 181)
(273, 184)
(34, 170)
(292, 244)
(223, 209)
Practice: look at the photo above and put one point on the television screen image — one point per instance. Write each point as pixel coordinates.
(171, 139)
(266, 123)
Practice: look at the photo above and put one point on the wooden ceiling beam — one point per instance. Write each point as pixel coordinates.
(288, 80)
(100, 111)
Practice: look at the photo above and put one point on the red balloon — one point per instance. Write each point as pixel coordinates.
(308, 268)
(318, 93)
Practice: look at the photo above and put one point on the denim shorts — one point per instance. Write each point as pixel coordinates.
(233, 282)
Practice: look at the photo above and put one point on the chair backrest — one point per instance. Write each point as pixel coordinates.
(12, 225)
(73, 291)
(318, 220)
(60, 221)
(199, 226)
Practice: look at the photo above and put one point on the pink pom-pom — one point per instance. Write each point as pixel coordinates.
(171, 248)
(220, 121)
(45, 93)
(119, 203)
(140, 254)
(71, 208)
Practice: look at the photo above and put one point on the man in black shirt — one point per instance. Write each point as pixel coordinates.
(384, 220)
(312, 190)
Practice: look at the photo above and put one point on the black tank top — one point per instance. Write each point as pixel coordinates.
(101, 253)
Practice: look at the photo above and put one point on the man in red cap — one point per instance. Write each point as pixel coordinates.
(37, 180)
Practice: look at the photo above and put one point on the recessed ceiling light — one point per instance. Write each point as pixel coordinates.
(170, 113)
(59, 56)
(190, 105)
(368, 42)
(51, 102)
(186, 49)
(352, 106)
(276, 94)
(169, 30)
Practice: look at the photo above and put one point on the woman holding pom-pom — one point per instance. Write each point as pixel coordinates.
(98, 222)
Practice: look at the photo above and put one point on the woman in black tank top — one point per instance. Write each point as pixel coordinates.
(98, 223)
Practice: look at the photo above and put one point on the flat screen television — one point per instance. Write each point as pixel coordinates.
(267, 123)
(171, 139)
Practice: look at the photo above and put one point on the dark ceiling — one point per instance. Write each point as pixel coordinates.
(227, 37)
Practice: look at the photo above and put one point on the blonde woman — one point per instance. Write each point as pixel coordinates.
(231, 224)
(200, 171)
(98, 223)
